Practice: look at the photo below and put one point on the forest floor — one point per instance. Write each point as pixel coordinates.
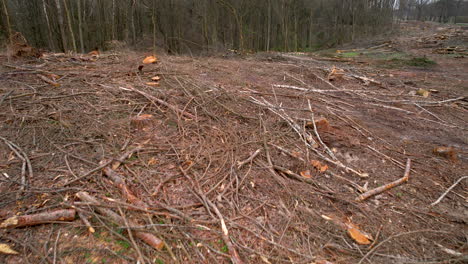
(239, 159)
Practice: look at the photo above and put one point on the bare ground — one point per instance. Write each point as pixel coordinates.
(187, 168)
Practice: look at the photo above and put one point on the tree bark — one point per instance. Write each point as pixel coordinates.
(49, 29)
(113, 20)
(268, 26)
(61, 26)
(80, 29)
(70, 25)
(153, 20)
(41, 218)
(7, 16)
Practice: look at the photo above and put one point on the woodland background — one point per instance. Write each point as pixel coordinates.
(205, 26)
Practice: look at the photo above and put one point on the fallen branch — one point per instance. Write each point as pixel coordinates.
(123, 157)
(88, 173)
(47, 80)
(235, 258)
(148, 238)
(159, 101)
(285, 151)
(366, 80)
(130, 235)
(24, 158)
(240, 164)
(294, 176)
(306, 137)
(64, 215)
(448, 190)
(5, 96)
(86, 222)
(328, 150)
(119, 182)
(370, 252)
(105, 164)
(355, 185)
(388, 186)
(311, 90)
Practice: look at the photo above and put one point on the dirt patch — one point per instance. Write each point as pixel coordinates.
(207, 116)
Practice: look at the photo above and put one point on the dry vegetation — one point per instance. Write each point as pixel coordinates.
(257, 159)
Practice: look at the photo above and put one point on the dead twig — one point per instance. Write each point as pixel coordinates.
(159, 101)
(448, 190)
(365, 80)
(240, 164)
(295, 176)
(88, 173)
(395, 236)
(26, 162)
(135, 245)
(120, 183)
(287, 152)
(305, 136)
(5, 96)
(103, 165)
(278, 179)
(55, 247)
(355, 185)
(314, 90)
(148, 238)
(318, 135)
(388, 186)
(86, 222)
(160, 185)
(376, 237)
(235, 258)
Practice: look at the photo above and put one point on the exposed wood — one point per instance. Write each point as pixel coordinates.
(64, 215)
(119, 182)
(388, 186)
(240, 164)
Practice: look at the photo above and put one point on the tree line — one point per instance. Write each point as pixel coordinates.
(211, 25)
(195, 25)
(443, 11)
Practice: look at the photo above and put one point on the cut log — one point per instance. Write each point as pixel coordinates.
(37, 219)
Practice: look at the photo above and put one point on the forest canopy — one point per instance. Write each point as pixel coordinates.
(202, 25)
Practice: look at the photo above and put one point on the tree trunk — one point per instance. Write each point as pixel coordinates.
(153, 19)
(113, 20)
(7, 16)
(132, 19)
(49, 29)
(268, 27)
(70, 25)
(80, 29)
(61, 26)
